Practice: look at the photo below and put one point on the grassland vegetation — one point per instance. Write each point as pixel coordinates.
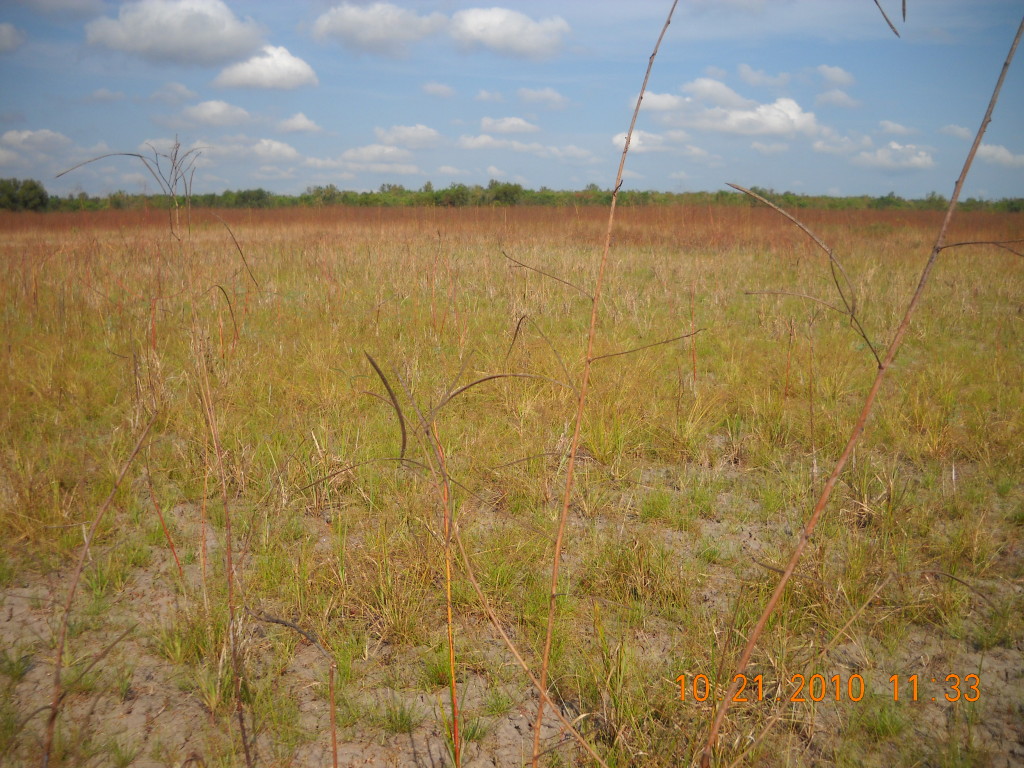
(699, 462)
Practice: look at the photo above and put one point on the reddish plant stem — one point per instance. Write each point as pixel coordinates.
(858, 427)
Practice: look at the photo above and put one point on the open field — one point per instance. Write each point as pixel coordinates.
(276, 442)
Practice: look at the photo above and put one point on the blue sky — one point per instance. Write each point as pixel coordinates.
(813, 96)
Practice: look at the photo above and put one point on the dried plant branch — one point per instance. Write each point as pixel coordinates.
(394, 402)
(1004, 244)
(542, 691)
(647, 346)
(866, 410)
(796, 295)
(239, 249)
(886, 16)
(452, 395)
(76, 575)
(834, 265)
(581, 402)
(547, 274)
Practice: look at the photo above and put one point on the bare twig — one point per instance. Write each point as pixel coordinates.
(886, 16)
(394, 402)
(581, 402)
(646, 346)
(866, 410)
(547, 274)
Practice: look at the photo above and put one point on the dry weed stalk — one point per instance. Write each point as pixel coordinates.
(581, 401)
(869, 402)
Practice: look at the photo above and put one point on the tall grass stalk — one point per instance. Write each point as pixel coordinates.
(858, 428)
(582, 400)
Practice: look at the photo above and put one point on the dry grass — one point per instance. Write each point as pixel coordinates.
(692, 488)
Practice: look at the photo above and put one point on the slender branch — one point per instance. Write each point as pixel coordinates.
(581, 402)
(858, 428)
(794, 294)
(646, 346)
(886, 17)
(547, 274)
(394, 402)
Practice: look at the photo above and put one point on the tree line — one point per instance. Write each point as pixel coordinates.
(31, 195)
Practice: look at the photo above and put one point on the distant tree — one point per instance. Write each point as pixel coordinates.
(23, 195)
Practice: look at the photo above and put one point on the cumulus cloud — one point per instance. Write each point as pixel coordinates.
(835, 75)
(547, 97)
(783, 117)
(202, 32)
(670, 141)
(832, 143)
(173, 93)
(274, 67)
(41, 141)
(270, 150)
(888, 126)
(836, 97)
(758, 77)
(957, 131)
(11, 37)
(298, 123)
(662, 102)
(376, 153)
(417, 136)
(996, 154)
(438, 89)
(381, 28)
(896, 156)
(507, 125)
(451, 170)
(486, 141)
(509, 32)
(9, 157)
(715, 92)
(215, 112)
(485, 95)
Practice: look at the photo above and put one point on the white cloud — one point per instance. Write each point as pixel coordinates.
(717, 93)
(381, 28)
(783, 117)
(203, 32)
(758, 77)
(996, 154)
(888, 126)
(495, 172)
(376, 153)
(486, 141)
(274, 67)
(549, 97)
(895, 156)
(833, 144)
(174, 93)
(271, 150)
(957, 131)
(42, 141)
(11, 37)
(670, 141)
(484, 95)
(9, 157)
(837, 98)
(298, 123)
(451, 170)
(662, 102)
(105, 94)
(715, 72)
(215, 113)
(438, 89)
(509, 32)
(775, 148)
(835, 75)
(416, 136)
(507, 125)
